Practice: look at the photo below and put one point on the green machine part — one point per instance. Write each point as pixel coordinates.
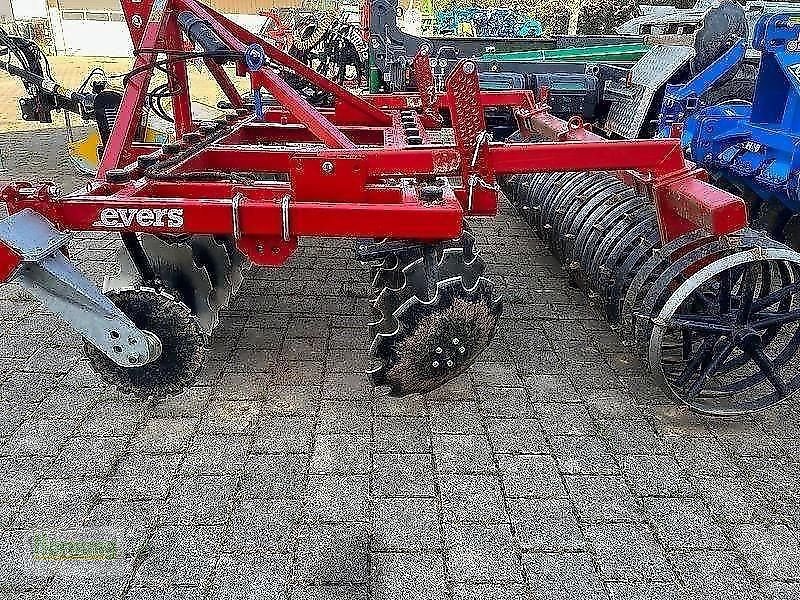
(615, 53)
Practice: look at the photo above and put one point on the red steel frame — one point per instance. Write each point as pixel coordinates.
(350, 170)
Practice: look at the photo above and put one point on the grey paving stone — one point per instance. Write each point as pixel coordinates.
(649, 590)
(552, 388)
(482, 552)
(784, 590)
(282, 434)
(18, 476)
(405, 524)
(341, 453)
(330, 592)
(402, 475)
(164, 435)
(703, 456)
(546, 525)
(113, 418)
(12, 415)
(472, 498)
(408, 406)
(87, 579)
(200, 500)
(332, 553)
(771, 550)
(676, 421)
(285, 373)
(40, 437)
(216, 454)
(57, 503)
(557, 576)
(353, 417)
(733, 499)
(630, 436)
(564, 419)
(64, 402)
(346, 386)
(684, 523)
(612, 404)
(129, 520)
(408, 576)
(21, 571)
(230, 416)
(338, 497)
(87, 456)
(514, 436)
(402, 434)
(628, 552)
(586, 455)
(141, 476)
(192, 565)
(714, 574)
(455, 418)
(531, 475)
(259, 527)
(602, 498)
(490, 591)
(462, 454)
(252, 577)
(274, 476)
(504, 402)
(654, 475)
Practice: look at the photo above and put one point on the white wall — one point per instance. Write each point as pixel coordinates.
(28, 9)
(96, 38)
(111, 38)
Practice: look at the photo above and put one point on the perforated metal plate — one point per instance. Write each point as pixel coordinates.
(627, 116)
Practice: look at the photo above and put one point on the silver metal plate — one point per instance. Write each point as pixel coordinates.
(627, 116)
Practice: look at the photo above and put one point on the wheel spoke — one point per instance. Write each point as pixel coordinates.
(776, 296)
(765, 322)
(767, 368)
(708, 371)
(689, 323)
(703, 352)
(747, 292)
(687, 343)
(725, 292)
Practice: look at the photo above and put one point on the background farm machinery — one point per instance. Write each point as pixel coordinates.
(711, 304)
(615, 82)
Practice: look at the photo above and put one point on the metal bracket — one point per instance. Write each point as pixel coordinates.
(54, 281)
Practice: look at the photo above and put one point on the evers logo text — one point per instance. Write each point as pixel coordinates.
(122, 218)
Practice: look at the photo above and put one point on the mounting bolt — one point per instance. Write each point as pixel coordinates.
(469, 67)
(439, 350)
(450, 363)
(134, 358)
(435, 364)
(455, 341)
(327, 167)
(136, 21)
(462, 350)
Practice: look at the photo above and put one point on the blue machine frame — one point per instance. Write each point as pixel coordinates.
(757, 146)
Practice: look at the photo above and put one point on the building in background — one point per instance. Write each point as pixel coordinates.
(97, 27)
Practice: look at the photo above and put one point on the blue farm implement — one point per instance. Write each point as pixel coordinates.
(753, 147)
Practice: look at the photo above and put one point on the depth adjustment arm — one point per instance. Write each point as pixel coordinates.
(31, 256)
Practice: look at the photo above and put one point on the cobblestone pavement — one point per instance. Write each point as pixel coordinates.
(553, 470)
